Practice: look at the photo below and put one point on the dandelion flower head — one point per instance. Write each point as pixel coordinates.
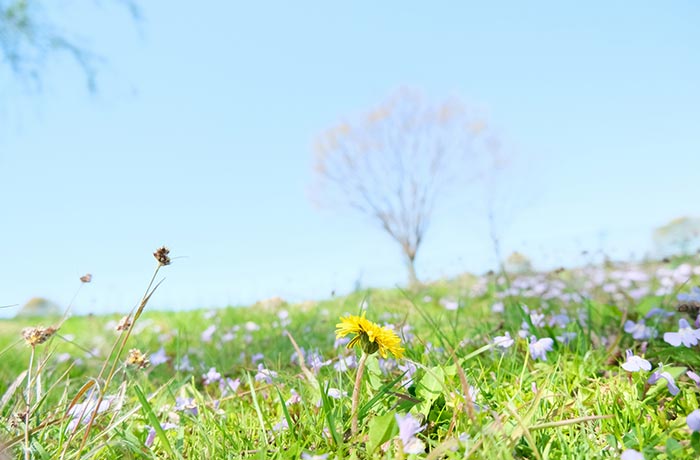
(369, 336)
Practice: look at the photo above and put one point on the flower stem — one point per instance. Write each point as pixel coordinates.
(356, 392)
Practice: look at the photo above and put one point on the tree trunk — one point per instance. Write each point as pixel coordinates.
(411, 267)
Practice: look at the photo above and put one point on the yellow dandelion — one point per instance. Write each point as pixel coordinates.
(369, 336)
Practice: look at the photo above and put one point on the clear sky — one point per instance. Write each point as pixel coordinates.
(201, 135)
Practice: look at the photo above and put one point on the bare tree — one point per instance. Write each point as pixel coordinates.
(679, 236)
(397, 161)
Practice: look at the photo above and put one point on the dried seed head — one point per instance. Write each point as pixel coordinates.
(37, 335)
(124, 323)
(161, 255)
(86, 278)
(136, 358)
(15, 421)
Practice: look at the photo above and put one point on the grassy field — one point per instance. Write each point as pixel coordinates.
(518, 366)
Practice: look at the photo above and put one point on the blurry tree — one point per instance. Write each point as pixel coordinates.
(396, 162)
(678, 236)
(28, 38)
(518, 263)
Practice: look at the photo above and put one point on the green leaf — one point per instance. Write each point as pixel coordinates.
(330, 416)
(695, 442)
(287, 417)
(153, 420)
(381, 429)
(373, 373)
(429, 388)
(673, 447)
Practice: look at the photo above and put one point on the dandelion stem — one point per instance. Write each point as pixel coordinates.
(356, 392)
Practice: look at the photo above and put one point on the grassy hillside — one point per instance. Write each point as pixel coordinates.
(277, 383)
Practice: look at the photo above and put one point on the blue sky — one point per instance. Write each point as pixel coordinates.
(201, 135)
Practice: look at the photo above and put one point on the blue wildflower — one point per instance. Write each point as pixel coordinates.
(539, 348)
(635, 363)
(670, 381)
(686, 335)
(693, 420)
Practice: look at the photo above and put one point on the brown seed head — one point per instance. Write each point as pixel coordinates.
(161, 255)
(124, 323)
(15, 421)
(37, 335)
(86, 278)
(136, 358)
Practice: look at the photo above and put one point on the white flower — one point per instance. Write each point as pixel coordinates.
(635, 363)
(409, 427)
(539, 348)
(686, 335)
(503, 341)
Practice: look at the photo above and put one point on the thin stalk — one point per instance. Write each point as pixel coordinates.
(356, 392)
(124, 337)
(27, 450)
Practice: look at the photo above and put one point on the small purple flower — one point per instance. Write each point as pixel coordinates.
(686, 335)
(208, 333)
(639, 292)
(152, 432)
(336, 393)
(539, 348)
(184, 365)
(345, 363)
(295, 398)
(566, 337)
(282, 425)
(229, 385)
(503, 341)
(670, 381)
(315, 361)
(307, 456)
(341, 342)
(693, 296)
(635, 363)
(250, 326)
(631, 454)
(693, 420)
(264, 374)
(228, 336)
(82, 412)
(186, 405)
(560, 320)
(449, 304)
(409, 369)
(639, 330)
(694, 377)
(159, 357)
(211, 377)
(537, 319)
(656, 311)
(409, 427)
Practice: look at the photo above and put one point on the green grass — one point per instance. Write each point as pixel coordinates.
(578, 404)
